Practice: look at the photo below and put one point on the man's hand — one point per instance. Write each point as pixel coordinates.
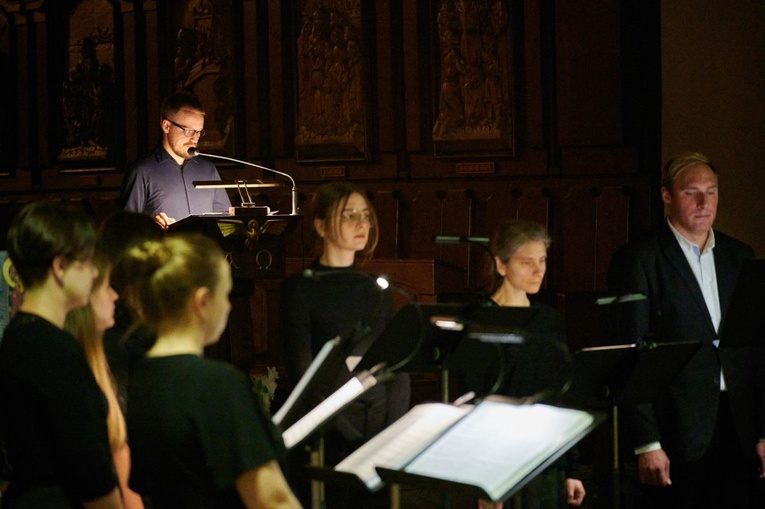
(574, 492)
(653, 468)
(760, 448)
(162, 220)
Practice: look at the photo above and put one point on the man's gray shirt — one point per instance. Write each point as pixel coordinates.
(157, 183)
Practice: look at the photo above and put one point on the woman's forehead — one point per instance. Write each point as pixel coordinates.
(355, 202)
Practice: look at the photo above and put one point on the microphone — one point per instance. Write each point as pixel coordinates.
(455, 239)
(193, 152)
(482, 242)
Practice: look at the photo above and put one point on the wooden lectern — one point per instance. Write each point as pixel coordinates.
(254, 243)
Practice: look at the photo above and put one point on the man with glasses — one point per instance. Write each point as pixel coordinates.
(161, 183)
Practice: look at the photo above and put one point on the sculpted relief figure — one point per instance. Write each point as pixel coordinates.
(330, 70)
(474, 74)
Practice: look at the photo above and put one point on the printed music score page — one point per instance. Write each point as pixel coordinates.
(497, 444)
(396, 445)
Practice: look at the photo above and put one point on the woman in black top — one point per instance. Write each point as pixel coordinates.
(198, 435)
(537, 368)
(333, 298)
(53, 419)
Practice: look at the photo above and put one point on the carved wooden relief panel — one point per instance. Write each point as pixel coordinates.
(474, 76)
(331, 121)
(202, 65)
(88, 97)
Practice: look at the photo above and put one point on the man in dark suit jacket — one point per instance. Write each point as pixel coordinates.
(697, 442)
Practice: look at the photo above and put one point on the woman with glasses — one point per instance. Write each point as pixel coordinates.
(334, 298)
(161, 183)
(53, 418)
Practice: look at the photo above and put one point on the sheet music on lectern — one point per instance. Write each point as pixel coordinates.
(493, 446)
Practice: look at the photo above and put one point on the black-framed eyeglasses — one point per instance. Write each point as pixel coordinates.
(187, 132)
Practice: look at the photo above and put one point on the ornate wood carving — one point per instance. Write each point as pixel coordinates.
(474, 112)
(202, 65)
(331, 82)
(88, 99)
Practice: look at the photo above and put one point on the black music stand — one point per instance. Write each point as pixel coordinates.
(320, 375)
(426, 337)
(301, 417)
(519, 441)
(611, 376)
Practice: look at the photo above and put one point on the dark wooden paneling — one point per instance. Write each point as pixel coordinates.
(589, 72)
(600, 160)
(382, 82)
(251, 75)
(25, 91)
(574, 234)
(41, 86)
(281, 138)
(411, 67)
(386, 206)
(530, 105)
(129, 82)
(612, 214)
(152, 74)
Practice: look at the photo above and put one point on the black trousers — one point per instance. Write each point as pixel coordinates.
(724, 477)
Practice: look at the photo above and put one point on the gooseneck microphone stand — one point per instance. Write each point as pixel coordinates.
(193, 152)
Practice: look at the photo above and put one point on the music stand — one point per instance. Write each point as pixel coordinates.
(630, 374)
(318, 382)
(425, 337)
(506, 443)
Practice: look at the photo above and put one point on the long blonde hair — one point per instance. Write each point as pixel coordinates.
(81, 323)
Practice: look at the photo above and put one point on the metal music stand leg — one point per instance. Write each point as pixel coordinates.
(318, 499)
(395, 496)
(444, 384)
(615, 475)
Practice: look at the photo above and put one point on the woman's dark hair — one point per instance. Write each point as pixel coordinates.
(44, 230)
(122, 231)
(328, 204)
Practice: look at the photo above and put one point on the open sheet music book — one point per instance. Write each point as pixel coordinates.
(328, 408)
(492, 449)
(399, 443)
